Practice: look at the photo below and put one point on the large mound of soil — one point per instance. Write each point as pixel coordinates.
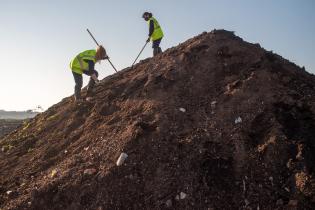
(214, 123)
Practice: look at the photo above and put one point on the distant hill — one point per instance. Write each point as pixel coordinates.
(7, 126)
(17, 115)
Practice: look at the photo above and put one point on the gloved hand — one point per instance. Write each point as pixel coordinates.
(94, 77)
(148, 40)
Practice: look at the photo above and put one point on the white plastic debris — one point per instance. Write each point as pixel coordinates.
(182, 195)
(238, 120)
(182, 109)
(121, 159)
(9, 192)
(89, 171)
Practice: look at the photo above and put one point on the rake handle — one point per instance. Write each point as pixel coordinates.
(99, 45)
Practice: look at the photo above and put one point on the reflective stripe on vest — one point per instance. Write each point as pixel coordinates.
(157, 32)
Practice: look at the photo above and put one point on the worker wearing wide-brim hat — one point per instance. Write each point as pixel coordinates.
(155, 32)
(84, 63)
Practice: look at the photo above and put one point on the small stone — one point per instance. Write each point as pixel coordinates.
(53, 173)
(238, 120)
(213, 104)
(9, 192)
(279, 202)
(177, 197)
(66, 151)
(86, 148)
(182, 195)
(293, 203)
(89, 171)
(182, 109)
(29, 203)
(89, 99)
(289, 163)
(168, 203)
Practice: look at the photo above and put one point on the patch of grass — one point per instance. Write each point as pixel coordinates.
(52, 117)
(6, 148)
(26, 126)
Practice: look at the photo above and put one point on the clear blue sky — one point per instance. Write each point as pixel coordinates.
(38, 38)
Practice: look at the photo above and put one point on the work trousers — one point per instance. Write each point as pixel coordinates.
(78, 79)
(156, 47)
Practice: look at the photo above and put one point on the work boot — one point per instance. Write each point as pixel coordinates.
(77, 96)
(159, 50)
(155, 51)
(90, 87)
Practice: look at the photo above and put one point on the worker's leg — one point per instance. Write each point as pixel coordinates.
(91, 82)
(155, 51)
(156, 47)
(78, 85)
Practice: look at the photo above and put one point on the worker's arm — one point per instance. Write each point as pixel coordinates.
(91, 65)
(91, 71)
(151, 28)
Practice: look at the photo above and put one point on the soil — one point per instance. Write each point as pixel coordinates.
(214, 123)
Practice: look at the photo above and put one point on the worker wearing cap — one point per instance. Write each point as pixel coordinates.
(155, 32)
(84, 63)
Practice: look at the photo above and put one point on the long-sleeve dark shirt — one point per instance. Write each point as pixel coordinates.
(151, 28)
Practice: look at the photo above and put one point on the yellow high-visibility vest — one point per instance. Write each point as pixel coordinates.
(157, 33)
(78, 65)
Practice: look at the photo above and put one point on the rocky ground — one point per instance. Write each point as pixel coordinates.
(214, 123)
